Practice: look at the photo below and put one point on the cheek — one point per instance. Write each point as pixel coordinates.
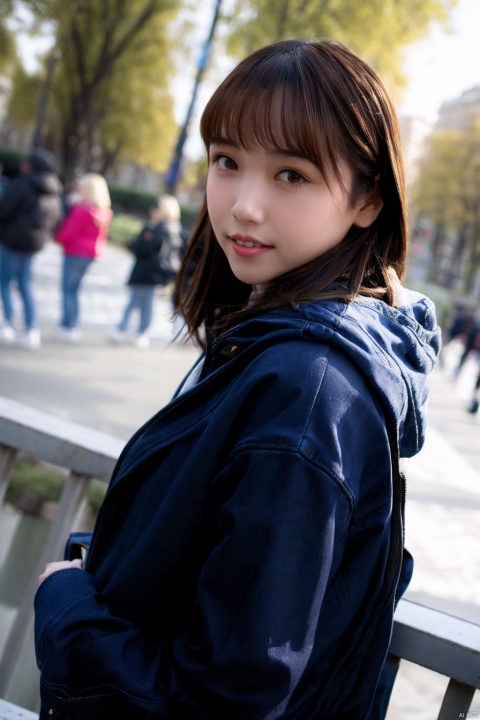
(216, 198)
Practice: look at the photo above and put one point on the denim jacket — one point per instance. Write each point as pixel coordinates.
(245, 561)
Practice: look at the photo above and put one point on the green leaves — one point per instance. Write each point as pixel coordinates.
(447, 190)
(378, 30)
(110, 98)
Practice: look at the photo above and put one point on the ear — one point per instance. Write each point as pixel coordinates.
(369, 210)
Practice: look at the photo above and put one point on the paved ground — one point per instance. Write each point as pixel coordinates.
(114, 389)
(107, 387)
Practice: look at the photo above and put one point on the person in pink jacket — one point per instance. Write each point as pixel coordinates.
(83, 235)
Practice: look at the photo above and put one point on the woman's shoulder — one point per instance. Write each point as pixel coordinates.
(304, 379)
(310, 364)
(310, 401)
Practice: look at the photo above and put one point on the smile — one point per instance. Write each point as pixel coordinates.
(247, 247)
(248, 244)
(247, 241)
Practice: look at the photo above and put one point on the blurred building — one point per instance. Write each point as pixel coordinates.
(415, 132)
(457, 114)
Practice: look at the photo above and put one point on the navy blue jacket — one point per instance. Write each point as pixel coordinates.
(245, 561)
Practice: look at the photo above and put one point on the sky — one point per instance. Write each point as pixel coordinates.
(438, 68)
(443, 65)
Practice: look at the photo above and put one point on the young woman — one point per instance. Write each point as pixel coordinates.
(248, 556)
(83, 235)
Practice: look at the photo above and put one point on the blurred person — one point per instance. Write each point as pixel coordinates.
(462, 322)
(458, 326)
(83, 236)
(475, 401)
(30, 208)
(158, 252)
(471, 342)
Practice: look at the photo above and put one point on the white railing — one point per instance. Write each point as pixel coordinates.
(87, 454)
(435, 640)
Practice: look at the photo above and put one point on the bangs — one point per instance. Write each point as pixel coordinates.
(276, 103)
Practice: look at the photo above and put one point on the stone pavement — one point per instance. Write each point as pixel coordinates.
(442, 530)
(107, 387)
(115, 389)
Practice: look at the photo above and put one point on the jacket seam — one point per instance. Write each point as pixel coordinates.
(299, 452)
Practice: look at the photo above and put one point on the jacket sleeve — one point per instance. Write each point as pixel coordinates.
(280, 521)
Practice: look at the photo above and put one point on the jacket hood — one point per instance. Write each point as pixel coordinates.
(395, 348)
(44, 183)
(41, 160)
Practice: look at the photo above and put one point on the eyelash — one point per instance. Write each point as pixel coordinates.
(216, 157)
(302, 179)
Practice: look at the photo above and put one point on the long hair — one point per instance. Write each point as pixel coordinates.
(317, 100)
(168, 208)
(92, 188)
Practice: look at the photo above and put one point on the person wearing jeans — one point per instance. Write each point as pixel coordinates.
(142, 298)
(83, 236)
(30, 208)
(16, 267)
(74, 268)
(157, 251)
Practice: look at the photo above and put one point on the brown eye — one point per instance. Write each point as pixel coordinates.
(224, 162)
(291, 177)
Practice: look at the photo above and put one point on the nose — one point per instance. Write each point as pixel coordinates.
(249, 204)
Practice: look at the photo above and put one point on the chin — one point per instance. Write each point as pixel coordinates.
(252, 280)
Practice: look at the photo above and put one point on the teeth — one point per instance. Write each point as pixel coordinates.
(248, 244)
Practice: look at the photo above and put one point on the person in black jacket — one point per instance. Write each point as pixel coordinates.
(29, 210)
(158, 251)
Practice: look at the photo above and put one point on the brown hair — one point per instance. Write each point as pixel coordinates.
(333, 107)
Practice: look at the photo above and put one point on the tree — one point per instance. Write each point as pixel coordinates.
(23, 101)
(111, 83)
(447, 191)
(378, 30)
(8, 51)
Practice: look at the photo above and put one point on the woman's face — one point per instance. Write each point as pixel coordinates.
(272, 212)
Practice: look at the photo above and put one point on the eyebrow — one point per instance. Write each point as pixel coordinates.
(274, 152)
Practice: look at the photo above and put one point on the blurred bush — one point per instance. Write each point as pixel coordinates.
(30, 478)
(11, 159)
(124, 228)
(43, 483)
(96, 493)
(127, 198)
(136, 202)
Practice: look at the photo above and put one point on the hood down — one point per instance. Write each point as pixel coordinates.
(394, 348)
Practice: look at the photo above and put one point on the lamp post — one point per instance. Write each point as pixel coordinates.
(175, 170)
